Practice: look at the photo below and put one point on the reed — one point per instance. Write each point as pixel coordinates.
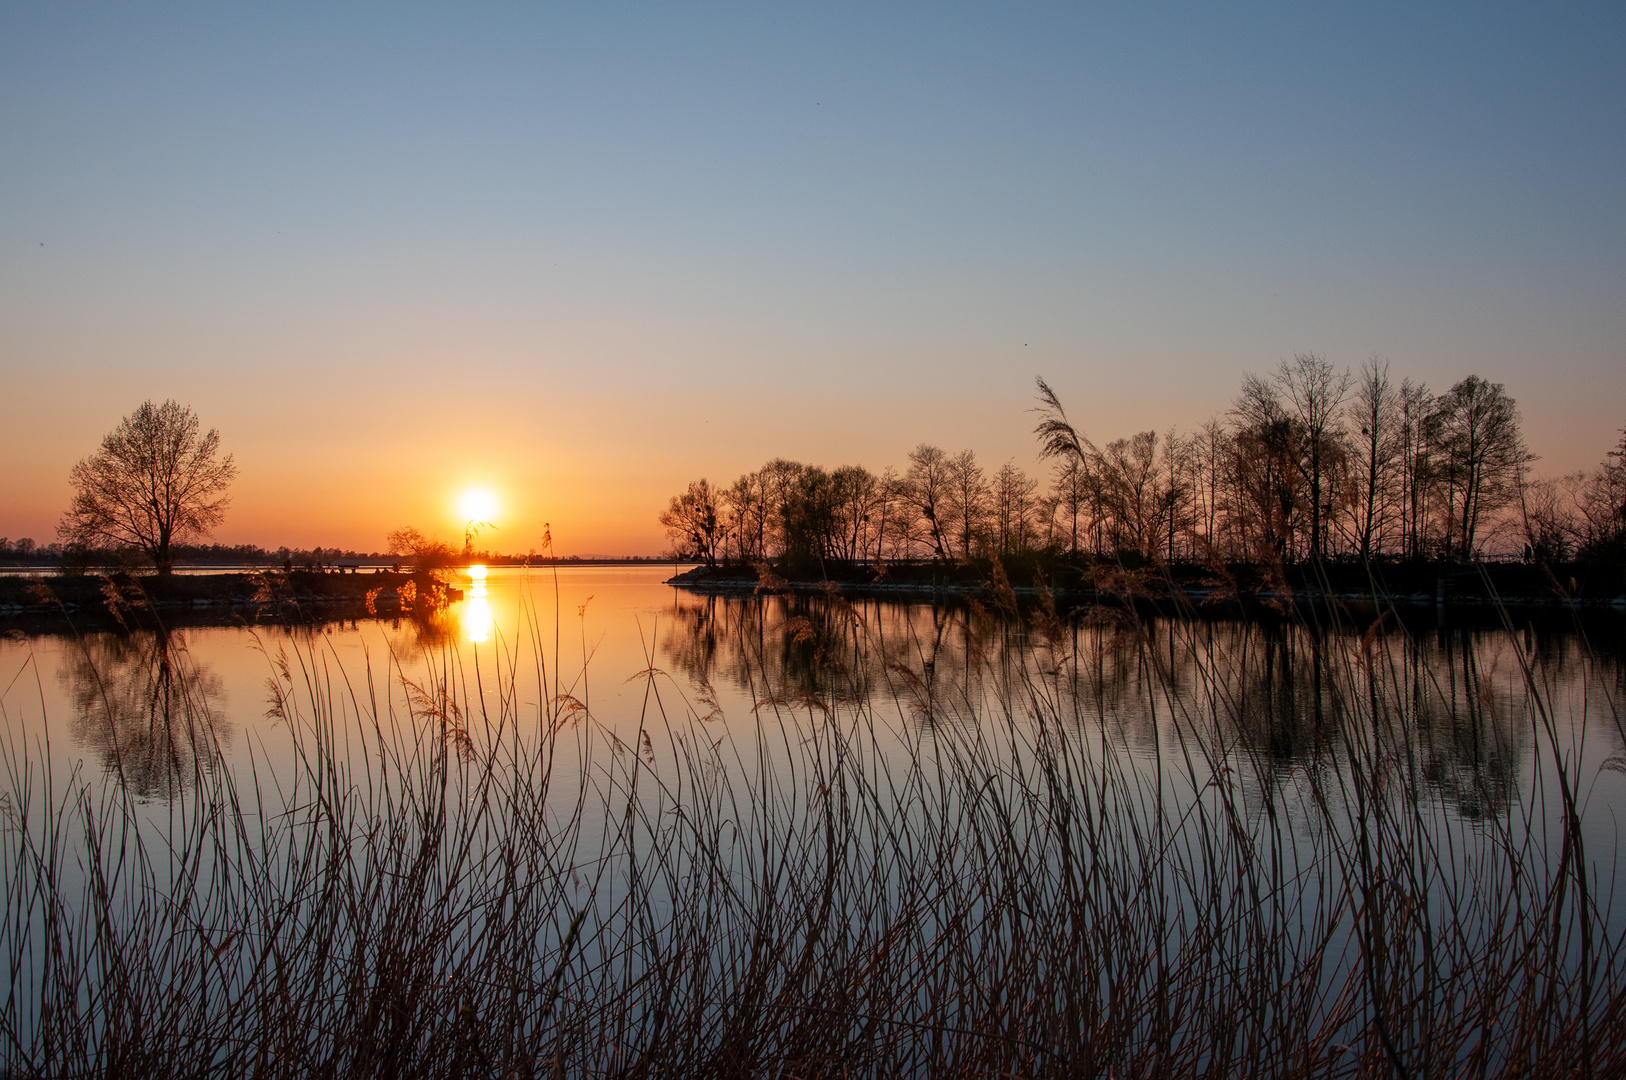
(900, 872)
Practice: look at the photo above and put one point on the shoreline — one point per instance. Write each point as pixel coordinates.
(1453, 587)
(120, 596)
(236, 596)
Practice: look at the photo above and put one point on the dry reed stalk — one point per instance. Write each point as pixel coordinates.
(908, 872)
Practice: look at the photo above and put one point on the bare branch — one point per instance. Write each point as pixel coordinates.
(153, 482)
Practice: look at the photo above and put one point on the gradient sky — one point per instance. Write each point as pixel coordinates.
(583, 255)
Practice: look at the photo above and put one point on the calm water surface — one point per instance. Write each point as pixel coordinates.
(677, 764)
(619, 646)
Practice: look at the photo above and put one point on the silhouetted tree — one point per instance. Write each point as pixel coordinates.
(1416, 467)
(1602, 506)
(967, 500)
(746, 501)
(1548, 518)
(426, 552)
(889, 514)
(1282, 478)
(1128, 469)
(1475, 428)
(1013, 507)
(926, 488)
(1211, 458)
(859, 496)
(693, 522)
(1376, 413)
(153, 482)
(1312, 392)
(1269, 483)
(1175, 497)
(810, 520)
(1070, 490)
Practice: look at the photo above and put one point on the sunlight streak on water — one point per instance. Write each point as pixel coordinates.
(476, 610)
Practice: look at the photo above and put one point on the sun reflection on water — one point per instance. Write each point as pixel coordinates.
(476, 614)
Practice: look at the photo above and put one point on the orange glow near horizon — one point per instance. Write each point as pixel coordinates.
(610, 511)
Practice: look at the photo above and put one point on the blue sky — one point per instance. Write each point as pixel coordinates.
(585, 254)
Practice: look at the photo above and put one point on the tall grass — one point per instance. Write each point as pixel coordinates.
(897, 871)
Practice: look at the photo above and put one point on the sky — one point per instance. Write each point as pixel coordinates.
(581, 255)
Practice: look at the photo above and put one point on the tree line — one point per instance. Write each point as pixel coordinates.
(1309, 462)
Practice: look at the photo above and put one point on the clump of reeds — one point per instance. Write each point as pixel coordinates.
(923, 876)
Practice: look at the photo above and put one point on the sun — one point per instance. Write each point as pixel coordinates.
(477, 504)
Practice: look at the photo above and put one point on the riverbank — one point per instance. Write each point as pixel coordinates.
(126, 597)
(1074, 583)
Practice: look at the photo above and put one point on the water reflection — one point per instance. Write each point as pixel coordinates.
(1446, 707)
(476, 610)
(1282, 699)
(1469, 731)
(146, 708)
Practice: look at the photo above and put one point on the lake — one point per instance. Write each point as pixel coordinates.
(629, 824)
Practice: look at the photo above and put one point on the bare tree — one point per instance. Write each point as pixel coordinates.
(926, 488)
(1376, 411)
(1475, 427)
(1269, 483)
(1313, 392)
(1014, 506)
(747, 505)
(693, 521)
(1174, 500)
(1211, 459)
(967, 500)
(780, 478)
(812, 525)
(1416, 467)
(885, 513)
(1128, 470)
(858, 494)
(1548, 516)
(902, 528)
(427, 552)
(1602, 505)
(153, 482)
(1071, 491)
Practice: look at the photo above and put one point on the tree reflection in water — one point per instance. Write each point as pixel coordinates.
(1283, 695)
(146, 708)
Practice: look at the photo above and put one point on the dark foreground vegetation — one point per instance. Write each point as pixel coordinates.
(924, 863)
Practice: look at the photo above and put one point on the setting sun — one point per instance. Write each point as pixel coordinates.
(477, 504)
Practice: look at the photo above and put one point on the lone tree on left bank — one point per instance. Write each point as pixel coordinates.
(155, 481)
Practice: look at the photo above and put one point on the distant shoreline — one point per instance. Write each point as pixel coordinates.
(239, 595)
(235, 593)
(192, 569)
(1415, 585)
